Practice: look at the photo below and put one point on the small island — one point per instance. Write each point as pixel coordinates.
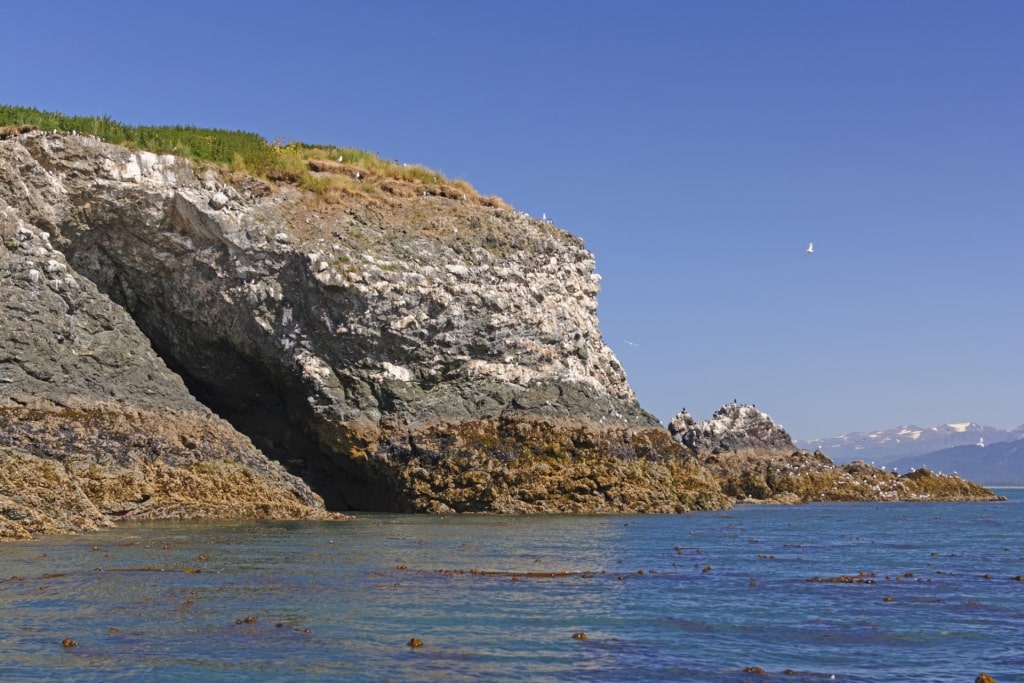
(203, 324)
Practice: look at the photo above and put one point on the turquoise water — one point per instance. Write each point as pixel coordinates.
(932, 596)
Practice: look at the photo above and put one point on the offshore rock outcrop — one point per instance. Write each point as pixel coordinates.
(407, 350)
(754, 460)
(733, 427)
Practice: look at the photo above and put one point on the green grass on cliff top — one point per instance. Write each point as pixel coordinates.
(236, 150)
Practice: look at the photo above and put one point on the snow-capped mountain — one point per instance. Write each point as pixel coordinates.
(887, 445)
(997, 464)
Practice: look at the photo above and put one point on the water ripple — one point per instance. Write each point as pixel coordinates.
(896, 592)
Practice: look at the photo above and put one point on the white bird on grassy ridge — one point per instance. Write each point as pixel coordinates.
(810, 248)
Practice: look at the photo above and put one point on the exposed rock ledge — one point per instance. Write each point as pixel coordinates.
(754, 461)
(70, 469)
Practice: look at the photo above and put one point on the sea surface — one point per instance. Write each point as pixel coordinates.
(823, 592)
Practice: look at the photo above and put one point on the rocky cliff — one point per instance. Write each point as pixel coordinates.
(402, 348)
(754, 460)
(93, 425)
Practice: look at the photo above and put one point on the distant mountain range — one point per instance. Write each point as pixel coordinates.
(1000, 464)
(887, 445)
(986, 455)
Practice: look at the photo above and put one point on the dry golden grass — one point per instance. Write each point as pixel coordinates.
(10, 131)
(320, 169)
(337, 174)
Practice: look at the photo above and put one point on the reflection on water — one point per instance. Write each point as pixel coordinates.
(864, 592)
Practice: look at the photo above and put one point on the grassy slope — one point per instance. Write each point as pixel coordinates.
(332, 172)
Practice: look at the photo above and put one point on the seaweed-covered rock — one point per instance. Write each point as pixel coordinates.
(754, 460)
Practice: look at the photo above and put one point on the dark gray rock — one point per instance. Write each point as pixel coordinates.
(62, 338)
(93, 425)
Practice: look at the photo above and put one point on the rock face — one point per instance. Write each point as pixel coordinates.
(400, 350)
(62, 338)
(733, 427)
(754, 460)
(93, 425)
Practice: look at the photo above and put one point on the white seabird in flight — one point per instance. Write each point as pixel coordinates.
(810, 248)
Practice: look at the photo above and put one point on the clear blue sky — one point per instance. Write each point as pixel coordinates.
(696, 147)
